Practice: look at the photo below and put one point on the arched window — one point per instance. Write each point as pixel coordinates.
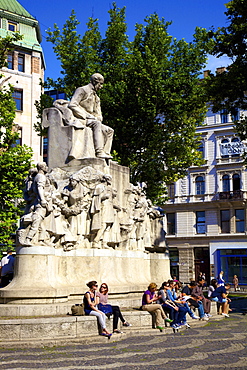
(226, 183)
(236, 182)
(200, 185)
(224, 148)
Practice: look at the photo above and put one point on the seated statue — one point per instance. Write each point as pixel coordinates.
(85, 105)
(76, 130)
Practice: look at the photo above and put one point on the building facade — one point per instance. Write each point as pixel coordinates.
(25, 69)
(206, 212)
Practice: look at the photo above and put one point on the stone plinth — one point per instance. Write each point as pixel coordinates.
(48, 275)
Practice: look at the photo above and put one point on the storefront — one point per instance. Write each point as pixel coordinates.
(230, 257)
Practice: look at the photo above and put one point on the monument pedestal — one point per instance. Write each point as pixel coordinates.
(48, 275)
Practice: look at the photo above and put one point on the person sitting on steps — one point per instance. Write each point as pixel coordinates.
(90, 307)
(117, 314)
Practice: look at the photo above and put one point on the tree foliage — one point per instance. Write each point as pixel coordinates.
(228, 90)
(152, 95)
(14, 159)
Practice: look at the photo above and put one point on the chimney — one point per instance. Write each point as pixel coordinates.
(206, 73)
(220, 70)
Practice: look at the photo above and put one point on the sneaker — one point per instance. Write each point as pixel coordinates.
(168, 320)
(208, 315)
(204, 318)
(126, 324)
(117, 331)
(225, 314)
(195, 317)
(160, 328)
(185, 324)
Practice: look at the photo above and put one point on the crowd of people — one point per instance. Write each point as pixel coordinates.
(170, 304)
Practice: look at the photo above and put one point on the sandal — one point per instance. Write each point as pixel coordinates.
(117, 331)
(106, 335)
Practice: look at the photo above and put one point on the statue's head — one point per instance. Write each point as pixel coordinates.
(107, 178)
(42, 166)
(97, 80)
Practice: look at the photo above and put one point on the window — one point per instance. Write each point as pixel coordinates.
(171, 190)
(223, 116)
(12, 26)
(236, 182)
(19, 139)
(10, 61)
(239, 220)
(170, 223)
(200, 222)
(200, 185)
(235, 114)
(18, 97)
(226, 183)
(225, 221)
(21, 63)
(224, 148)
(200, 149)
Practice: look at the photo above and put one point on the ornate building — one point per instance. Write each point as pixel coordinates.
(25, 69)
(206, 212)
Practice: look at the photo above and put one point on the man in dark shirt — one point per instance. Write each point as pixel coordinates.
(220, 295)
(198, 293)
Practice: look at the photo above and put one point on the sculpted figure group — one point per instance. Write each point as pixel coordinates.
(81, 210)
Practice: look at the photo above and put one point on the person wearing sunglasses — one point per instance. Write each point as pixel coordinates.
(91, 301)
(106, 307)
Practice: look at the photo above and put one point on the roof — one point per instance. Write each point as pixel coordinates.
(15, 7)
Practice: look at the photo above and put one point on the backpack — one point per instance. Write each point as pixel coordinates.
(77, 310)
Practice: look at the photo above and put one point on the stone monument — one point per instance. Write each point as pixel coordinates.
(83, 219)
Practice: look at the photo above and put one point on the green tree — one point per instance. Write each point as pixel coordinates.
(15, 160)
(152, 95)
(228, 90)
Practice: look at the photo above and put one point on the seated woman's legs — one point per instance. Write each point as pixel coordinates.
(173, 314)
(116, 315)
(101, 318)
(182, 314)
(157, 310)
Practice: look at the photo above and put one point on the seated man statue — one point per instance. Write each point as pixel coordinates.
(85, 105)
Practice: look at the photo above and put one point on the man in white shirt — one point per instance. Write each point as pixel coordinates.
(7, 268)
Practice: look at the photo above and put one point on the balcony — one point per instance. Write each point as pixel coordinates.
(235, 194)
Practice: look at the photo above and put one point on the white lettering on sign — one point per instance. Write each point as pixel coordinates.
(236, 147)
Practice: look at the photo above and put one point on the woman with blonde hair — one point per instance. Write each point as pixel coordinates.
(148, 299)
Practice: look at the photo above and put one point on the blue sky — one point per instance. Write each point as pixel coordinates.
(185, 15)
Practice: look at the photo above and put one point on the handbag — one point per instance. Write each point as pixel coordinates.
(77, 310)
(106, 308)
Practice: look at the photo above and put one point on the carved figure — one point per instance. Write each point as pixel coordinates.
(85, 105)
(42, 204)
(78, 200)
(102, 211)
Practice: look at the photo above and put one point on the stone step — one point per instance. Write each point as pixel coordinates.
(54, 309)
(68, 328)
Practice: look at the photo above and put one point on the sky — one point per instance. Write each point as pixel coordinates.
(185, 15)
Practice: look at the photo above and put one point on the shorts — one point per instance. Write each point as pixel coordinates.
(219, 299)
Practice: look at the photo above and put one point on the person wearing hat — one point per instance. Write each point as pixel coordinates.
(7, 268)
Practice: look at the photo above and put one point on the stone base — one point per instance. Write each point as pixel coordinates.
(48, 275)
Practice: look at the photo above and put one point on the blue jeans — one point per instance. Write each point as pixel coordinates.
(201, 309)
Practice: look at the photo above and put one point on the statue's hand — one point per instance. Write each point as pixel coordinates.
(43, 203)
(77, 124)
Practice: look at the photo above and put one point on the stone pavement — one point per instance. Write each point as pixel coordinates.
(216, 345)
